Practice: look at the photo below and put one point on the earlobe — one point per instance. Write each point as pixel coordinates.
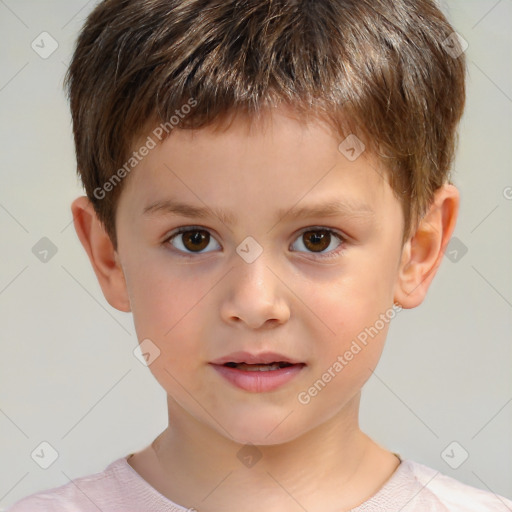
(103, 257)
(423, 251)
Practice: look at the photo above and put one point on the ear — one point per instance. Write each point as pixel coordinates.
(423, 251)
(102, 255)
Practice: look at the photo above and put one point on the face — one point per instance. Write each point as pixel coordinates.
(227, 245)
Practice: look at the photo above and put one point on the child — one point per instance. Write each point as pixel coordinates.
(267, 187)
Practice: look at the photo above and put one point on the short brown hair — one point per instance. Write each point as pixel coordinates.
(383, 65)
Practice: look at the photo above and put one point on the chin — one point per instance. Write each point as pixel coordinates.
(260, 429)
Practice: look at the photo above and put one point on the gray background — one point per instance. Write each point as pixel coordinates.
(68, 375)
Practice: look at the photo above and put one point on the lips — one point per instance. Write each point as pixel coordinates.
(263, 358)
(258, 378)
(258, 373)
(258, 367)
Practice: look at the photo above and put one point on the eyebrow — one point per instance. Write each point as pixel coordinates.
(329, 208)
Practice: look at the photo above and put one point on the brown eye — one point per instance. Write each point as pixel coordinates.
(196, 240)
(191, 240)
(324, 242)
(317, 241)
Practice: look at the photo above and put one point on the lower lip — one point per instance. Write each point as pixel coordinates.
(257, 381)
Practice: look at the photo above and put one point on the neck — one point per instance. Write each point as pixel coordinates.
(333, 463)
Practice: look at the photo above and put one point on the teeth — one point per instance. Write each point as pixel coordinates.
(258, 367)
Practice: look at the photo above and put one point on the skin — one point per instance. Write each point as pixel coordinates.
(199, 307)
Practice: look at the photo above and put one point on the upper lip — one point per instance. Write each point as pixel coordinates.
(261, 358)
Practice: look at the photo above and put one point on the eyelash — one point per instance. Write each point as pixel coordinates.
(331, 254)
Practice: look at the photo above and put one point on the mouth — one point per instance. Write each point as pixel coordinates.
(269, 367)
(263, 361)
(258, 377)
(258, 373)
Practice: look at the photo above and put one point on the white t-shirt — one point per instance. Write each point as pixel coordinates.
(413, 487)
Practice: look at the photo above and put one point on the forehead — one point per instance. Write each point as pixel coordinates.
(273, 164)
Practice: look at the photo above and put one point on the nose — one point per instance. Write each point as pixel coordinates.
(255, 296)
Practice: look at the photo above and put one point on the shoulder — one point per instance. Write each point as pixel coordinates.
(454, 495)
(87, 493)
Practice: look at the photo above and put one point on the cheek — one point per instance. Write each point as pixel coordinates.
(165, 312)
(349, 303)
(162, 299)
(169, 309)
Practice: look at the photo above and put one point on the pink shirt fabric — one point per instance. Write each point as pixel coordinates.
(413, 487)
